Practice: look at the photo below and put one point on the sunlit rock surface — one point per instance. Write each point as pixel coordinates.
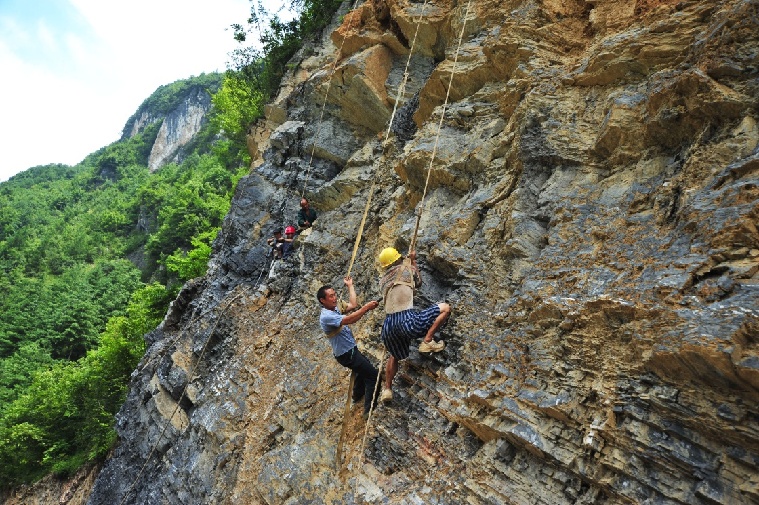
(179, 127)
(591, 215)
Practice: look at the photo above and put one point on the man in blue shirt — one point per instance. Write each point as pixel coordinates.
(340, 336)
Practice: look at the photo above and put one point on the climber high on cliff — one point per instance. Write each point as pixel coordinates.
(403, 322)
(306, 215)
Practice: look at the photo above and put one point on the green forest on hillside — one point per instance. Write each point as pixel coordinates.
(75, 307)
(91, 255)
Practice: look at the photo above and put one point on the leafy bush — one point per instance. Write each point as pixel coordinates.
(256, 71)
(65, 416)
(279, 40)
(237, 105)
(194, 263)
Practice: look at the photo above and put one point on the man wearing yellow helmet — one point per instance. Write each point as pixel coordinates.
(404, 323)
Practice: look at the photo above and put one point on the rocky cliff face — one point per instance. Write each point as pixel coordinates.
(591, 217)
(178, 126)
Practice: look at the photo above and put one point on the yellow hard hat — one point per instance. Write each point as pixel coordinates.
(388, 256)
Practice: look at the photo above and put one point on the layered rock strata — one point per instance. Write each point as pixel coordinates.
(591, 215)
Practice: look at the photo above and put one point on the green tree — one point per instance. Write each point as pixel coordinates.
(74, 308)
(237, 106)
(17, 370)
(65, 416)
(279, 39)
(195, 262)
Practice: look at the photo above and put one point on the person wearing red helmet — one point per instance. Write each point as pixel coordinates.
(287, 245)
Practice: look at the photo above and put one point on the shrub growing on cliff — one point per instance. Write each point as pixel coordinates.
(236, 106)
(256, 71)
(193, 263)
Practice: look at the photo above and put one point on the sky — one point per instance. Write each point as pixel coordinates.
(73, 71)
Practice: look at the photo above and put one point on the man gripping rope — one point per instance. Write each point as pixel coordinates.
(340, 336)
(403, 322)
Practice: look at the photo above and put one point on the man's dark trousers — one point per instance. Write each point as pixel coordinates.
(366, 375)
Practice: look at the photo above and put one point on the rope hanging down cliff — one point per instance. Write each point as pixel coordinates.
(359, 234)
(326, 95)
(244, 291)
(355, 249)
(439, 126)
(420, 207)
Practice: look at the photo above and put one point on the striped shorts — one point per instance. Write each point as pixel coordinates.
(400, 327)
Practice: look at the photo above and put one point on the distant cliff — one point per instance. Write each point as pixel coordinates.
(181, 108)
(591, 216)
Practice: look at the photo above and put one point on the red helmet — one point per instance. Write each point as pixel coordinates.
(289, 229)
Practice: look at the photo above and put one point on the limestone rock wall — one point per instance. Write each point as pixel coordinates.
(591, 216)
(179, 127)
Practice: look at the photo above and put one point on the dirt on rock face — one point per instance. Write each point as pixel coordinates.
(591, 217)
(644, 7)
(53, 490)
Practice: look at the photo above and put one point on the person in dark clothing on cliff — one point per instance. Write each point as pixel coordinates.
(276, 242)
(287, 245)
(306, 215)
(344, 348)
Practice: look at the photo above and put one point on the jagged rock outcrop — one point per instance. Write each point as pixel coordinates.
(591, 216)
(181, 109)
(179, 127)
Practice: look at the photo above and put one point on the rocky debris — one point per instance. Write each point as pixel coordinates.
(74, 490)
(590, 215)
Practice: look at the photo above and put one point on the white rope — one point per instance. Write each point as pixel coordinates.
(352, 13)
(442, 115)
(439, 127)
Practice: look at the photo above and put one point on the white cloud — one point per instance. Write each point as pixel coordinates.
(77, 48)
(46, 38)
(67, 90)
